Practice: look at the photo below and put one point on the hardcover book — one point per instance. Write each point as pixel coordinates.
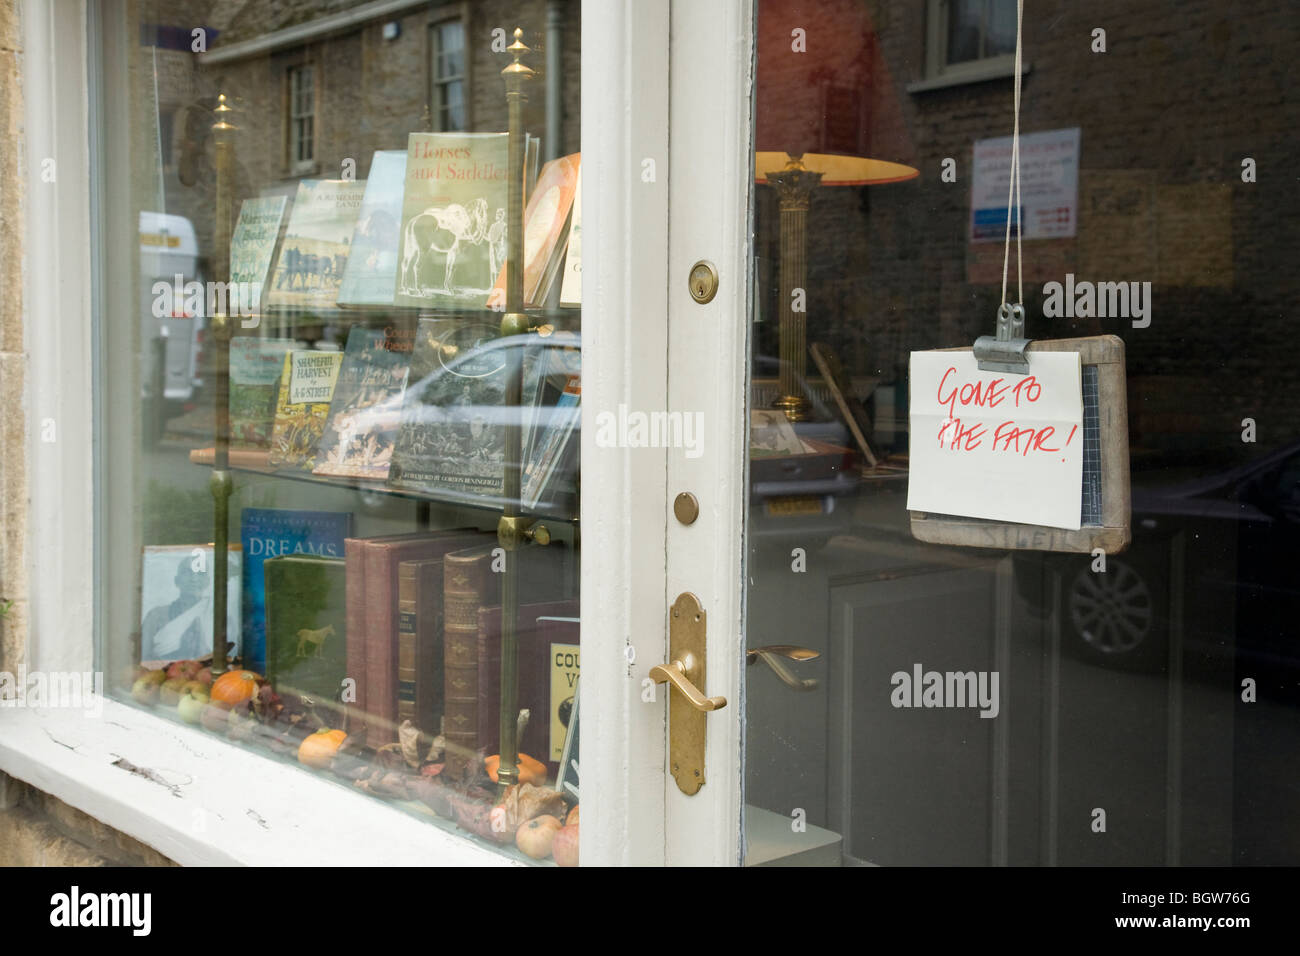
(255, 366)
(419, 643)
(302, 407)
(452, 431)
(252, 245)
(547, 214)
(468, 584)
(453, 239)
(370, 277)
(314, 253)
(272, 533)
(176, 594)
(362, 427)
(547, 473)
(571, 285)
(547, 666)
(306, 629)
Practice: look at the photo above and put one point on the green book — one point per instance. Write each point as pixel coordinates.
(314, 253)
(255, 367)
(251, 247)
(453, 240)
(306, 628)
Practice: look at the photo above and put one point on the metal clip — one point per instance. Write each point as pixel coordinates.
(1006, 351)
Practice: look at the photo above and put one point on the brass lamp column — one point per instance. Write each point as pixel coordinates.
(220, 484)
(511, 528)
(794, 185)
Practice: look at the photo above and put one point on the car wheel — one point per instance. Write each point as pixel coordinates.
(1114, 617)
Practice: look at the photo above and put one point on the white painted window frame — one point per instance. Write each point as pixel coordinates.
(238, 807)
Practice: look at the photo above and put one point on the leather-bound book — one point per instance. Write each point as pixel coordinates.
(420, 649)
(383, 557)
(468, 584)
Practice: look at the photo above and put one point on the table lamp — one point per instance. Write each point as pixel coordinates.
(825, 115)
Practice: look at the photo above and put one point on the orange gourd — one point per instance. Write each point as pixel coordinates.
(531, 770)
(318, 749)
(234, 687)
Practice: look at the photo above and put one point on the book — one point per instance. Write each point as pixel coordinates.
(176, 601)
(271, 533)
(314, 253)
(255, 366)
(468, 584)
(453, 218)
(772, 435)
(252, 246)
(419, 643)
(571, 284)
(541, 478)
(302, 407)
(545, 219)
(383, 558)
(364, 413)
(547, 665)
(306, 629)
(451, 437)
(370, 277)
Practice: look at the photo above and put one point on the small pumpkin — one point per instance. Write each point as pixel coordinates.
(235, 687)
(531, 770)
(318, 749)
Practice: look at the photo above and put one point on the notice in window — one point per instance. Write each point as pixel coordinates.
(996, 445)
(1049, 186)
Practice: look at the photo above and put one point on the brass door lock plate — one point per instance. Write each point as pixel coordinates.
(703, 281)
(688, 707)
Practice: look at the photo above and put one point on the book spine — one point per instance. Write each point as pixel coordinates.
(429, 651)
(355, 597)
(408, 640)
(463, 587)
(380, 645)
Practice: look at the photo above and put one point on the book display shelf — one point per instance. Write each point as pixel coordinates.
(416, 392)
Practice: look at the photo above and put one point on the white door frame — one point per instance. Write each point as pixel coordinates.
(667, 178)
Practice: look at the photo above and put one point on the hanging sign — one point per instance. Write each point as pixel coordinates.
(995, 445)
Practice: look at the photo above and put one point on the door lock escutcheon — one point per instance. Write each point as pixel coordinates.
(703, 281)
(689, 707)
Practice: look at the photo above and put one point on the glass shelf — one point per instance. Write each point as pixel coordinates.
(203, 458)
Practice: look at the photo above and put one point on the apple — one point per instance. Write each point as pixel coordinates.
(191, 705)
(204, 676)
(572, 817)
(169, 693)
(145, 689)
(564, 847)
(534, 837)
(183, 669)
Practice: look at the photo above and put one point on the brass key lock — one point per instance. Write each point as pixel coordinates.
(688, 707)
(703, 281)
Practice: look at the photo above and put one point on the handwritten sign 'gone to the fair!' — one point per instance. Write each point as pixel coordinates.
(997, 445)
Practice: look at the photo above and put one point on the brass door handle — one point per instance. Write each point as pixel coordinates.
(771, 656)
(674, 673)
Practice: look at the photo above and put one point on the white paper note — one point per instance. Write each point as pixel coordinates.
(996, 445)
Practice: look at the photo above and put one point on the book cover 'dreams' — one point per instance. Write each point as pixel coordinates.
(452, 433)
(366, 408)
(314, 253)
(306, 628)
(272, 533)
(306, 387)
(453, 240)
(255, 366)
(371, 274)
(252, 245)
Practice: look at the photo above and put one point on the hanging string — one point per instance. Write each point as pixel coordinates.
(1013, 187)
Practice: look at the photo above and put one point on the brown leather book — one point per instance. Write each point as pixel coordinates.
(468, 584)
(420, 651)
(538, 669)
(382, 558)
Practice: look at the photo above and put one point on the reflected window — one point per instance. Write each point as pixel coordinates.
(302, 117)
(449, 75)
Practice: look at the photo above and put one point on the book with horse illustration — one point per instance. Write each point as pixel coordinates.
(314, 253)
(306, 629)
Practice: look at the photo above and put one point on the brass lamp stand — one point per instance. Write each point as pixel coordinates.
(220, 483)
(794, 185)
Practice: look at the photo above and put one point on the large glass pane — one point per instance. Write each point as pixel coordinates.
(915, 700)
(313, 401)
